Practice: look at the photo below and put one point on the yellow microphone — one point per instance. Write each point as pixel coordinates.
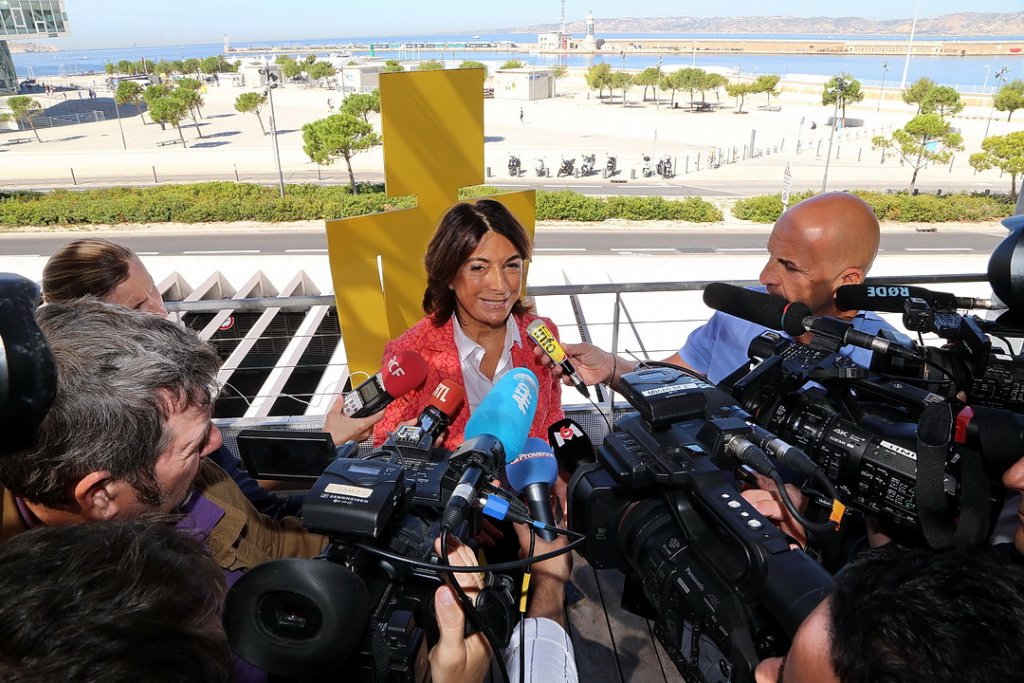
(540, 333)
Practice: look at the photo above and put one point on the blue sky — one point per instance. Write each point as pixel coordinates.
(125, 23)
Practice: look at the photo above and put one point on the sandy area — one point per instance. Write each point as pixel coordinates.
(573, 123)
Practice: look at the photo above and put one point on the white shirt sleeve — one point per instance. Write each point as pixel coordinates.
(550, 657)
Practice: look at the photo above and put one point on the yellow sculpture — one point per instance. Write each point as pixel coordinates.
(433, 130)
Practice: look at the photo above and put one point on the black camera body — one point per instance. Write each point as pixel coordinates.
(720, 582)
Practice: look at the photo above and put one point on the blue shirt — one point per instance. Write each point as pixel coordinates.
(719, 346)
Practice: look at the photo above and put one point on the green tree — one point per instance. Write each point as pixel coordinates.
(668, 82)
(768, 85)
(324, 71)
(109, 68)
(292, 69)
(130, 92)
(124, 66)
(918, 91)
(191, 66)
(252, 102)
(392, 65)
(1005, 152)
(165, 68)
(281, 60)
(942, 100)
(715, 82)
(361, 104)
(621, 80)
(25, 109)
(194, 86)
(927, 138)
(512, 64)
(849, 92)
(740, 91)
(431, 65)
(192, 101)
(168, 109)
(648, 78)
(209, 65)
(470, 64)
(1010, 97)
(340, 135)
(691, 79)
(599, 77)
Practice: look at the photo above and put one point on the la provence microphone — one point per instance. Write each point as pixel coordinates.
(400, 374)
(891, 298)
(571, 444)
(495, 432)
(540, 333)
(531, 474)
(794, 318)
(442, 407)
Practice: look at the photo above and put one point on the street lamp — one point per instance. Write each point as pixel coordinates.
(999, 75)
(881, 92)
(839, 89)
(271, 84)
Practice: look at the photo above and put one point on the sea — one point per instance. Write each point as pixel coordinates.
(966, 74)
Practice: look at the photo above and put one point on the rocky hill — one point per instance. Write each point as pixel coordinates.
(17, 46)
(973, 24)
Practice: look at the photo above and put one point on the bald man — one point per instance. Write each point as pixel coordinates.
(818, 245)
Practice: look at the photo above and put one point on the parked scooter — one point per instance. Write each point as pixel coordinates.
(513, 165)
(567, 167)
(665, 167)
(609, 166)
(587, 167)
(646, 169)
(540, 168)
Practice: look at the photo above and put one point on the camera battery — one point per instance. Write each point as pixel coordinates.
(353, 497)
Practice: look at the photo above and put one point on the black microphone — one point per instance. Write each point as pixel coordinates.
(891, 298)
(479, 460)
(795, 318)
(571, 444)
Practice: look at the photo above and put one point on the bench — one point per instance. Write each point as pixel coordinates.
(18, 141)
(164, 143)
(770, 107)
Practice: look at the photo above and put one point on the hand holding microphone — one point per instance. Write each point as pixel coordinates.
(402, 372)
(545, 339)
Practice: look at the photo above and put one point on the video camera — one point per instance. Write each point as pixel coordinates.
(718, 579)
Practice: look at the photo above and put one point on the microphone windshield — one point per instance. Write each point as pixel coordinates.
(888, 298)
(769, 310)
(536, 465)
(448, 397)
(571, 444)
(507, 411)
(403, 372)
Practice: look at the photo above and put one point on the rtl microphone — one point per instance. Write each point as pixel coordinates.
(531, 475)
(442, 407)
(571, 444)
(540, 333)
(495, 432)
(794, 318)
(891, 298)
(401, 373)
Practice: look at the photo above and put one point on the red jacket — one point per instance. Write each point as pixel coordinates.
(437, 346)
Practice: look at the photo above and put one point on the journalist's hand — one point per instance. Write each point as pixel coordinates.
(593, 365)
(768, 502)
(457, 658)
(343, 428)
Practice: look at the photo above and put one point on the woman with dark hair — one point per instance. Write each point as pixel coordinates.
(474, 330)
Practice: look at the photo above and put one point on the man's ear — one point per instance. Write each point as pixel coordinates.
(851, 276)
(95, 496)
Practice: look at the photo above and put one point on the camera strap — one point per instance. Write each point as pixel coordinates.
(934, 437)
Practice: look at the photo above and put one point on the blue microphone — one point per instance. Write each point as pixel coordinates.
(499, 425)
(531, 475)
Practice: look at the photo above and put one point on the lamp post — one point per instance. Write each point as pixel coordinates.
(999, 75)
(271, 84)
(910, 47)
(119, 126)
(881, 91)
(984, 85)
(839, 89)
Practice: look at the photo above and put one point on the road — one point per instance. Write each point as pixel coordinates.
(550, 242)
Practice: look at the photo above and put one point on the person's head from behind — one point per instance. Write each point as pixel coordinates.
(819, 245)
(130, 423)
(912, 616)
(96, 267)
(475, 265)
(112, 601)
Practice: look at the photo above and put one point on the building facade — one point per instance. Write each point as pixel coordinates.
(27, 19)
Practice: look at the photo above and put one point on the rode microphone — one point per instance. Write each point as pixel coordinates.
(531, 475)
(794, 318)
(444, 403)
(891, 298)
(571, 444)
(495, 432)
(540, 333)
(401, 373)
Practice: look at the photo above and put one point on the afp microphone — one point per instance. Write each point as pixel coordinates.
(496, 431)
(400, 374)
(531, 475)
(794, 318)
(540, 333)
(891, 298)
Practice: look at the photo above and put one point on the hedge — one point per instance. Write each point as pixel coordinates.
(895, 207)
